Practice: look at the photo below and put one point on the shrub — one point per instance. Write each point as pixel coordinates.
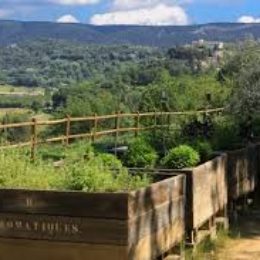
(204, 149)
(162, 140)
(88, 176)
(53, 152)
(180, 157)
(110, 160)
(80, 150)
(92, 176)
(140, 154)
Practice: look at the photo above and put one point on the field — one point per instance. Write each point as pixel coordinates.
(4, 111)
(20, 91)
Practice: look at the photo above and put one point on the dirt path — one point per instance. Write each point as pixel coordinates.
(247, 245)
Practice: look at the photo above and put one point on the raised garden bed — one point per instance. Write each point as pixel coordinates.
(138, 225)
(243, 168)
(206, 194)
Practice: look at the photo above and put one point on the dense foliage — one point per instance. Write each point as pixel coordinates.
(13, 31)
(180, 157)
(140, 154)
(242, 73)
(91, 175)
(51, 63)
(204, 148)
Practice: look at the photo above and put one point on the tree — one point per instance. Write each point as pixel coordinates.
(244, 73)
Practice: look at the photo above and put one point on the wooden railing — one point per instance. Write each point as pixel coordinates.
(94, 133)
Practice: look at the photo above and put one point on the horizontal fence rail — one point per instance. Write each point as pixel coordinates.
(94, 132)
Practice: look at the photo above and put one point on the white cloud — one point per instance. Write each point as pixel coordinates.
(248, 19)
(74, 2)
(160, 14)
(135, 4)
(68, 18)
(126, 4)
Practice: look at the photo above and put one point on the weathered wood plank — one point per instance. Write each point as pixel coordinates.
(90, 230)
(17, 249)
(209, 190)
(74, 204)
(206, 191)
(242, 171)
(53, 228)
(137, 225)
(158, 193)
(157, 243)
(154, 220)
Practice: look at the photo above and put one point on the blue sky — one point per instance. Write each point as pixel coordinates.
(146, 12)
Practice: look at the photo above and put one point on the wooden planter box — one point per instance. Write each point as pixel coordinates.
(206, 193)
(139, 225)
(242, 171)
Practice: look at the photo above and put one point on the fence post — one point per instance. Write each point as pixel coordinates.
(117, 127)
(137, 124)
(33, 138)
(169, 121)
(68, 124)
(155, 121)
(94, 131)
(6, 134)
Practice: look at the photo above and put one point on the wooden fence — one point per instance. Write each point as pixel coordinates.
(95, 120)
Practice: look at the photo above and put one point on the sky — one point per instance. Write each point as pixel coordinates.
(140, 12)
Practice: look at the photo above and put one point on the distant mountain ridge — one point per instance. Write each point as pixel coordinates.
(12, 32)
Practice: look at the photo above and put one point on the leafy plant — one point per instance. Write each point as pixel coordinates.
(110, 160)
(75, 151)
(16, 171)
(140, 154)
(226, 134)
(92, 175)
(183, 156)
(80, 150)
(204, 149)
(52, 153)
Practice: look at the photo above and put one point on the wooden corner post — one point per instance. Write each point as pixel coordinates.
(33, 138)
(117, 128)
(68, 124)
(137, 124)
(95, 127)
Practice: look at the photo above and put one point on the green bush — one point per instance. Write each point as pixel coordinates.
(80, 150)
(53, 152)
(140, 154)
(180, 157)
(204, 149)
(93, 176)
(110, 160)
(162, 140)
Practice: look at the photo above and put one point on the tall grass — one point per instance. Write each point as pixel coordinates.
(91, 174)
